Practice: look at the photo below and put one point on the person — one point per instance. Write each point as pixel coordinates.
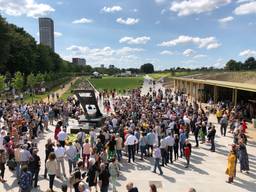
(196, 133)
(71, 156)
(48, 149)
(243, 157)
(52, 169)
(82, 187)
(150, 142)
(62, 136)
(86, 153)
(211, 137)
(223, 125)
(187, 151)
(76, 176)
(143, 145)
(91, 175)
(131, 141)
(153, 188)
(119, 146)
(170, 143)
(60, 154)
(176, 147)
(80, 137)
(130, 187)
(163, 148)
(182, 140)
(157, 157)
(114, 173)
(104, 178)
(2, 165)
(112, 147)
(34, 166)
(231, 167)
(25, 181)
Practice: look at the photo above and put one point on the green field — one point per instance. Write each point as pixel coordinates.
(118, 83)
(159, 75)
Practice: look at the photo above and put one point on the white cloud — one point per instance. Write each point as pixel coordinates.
(189, 7)
(226, 19)
(30, 8)
(127, 21)
(112, 9)
(199, 56)
(208, 42)
(248, 53)
(188, 52)
(135, 41)
(247, 8)
(166, 52)
(219, 63)
(57, 34)
(122, 57)
(82, 21)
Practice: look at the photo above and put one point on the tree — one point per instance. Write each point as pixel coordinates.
(147, 68)
(18, 81)
(232, 65)
(39, 78)
(31, 80)
(250, 63)
(2, 83)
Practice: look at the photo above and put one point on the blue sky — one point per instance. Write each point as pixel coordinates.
(129, 33)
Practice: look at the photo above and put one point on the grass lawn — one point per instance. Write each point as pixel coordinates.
(118, 83)
(69, 91)
(159, 75)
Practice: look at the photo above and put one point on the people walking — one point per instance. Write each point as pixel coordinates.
(157, 158)
(52, 169)
(131, 141)
(211, 138)
(243, 157)
(187, 152)
(231, 167)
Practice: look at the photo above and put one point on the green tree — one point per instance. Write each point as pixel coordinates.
(18, 81)
(147, 68)
(39, 78)
(249, 64)
(2, 83)
(31, 80)
(233, 65)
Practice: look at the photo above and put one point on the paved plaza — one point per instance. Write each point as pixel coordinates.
(206, 173)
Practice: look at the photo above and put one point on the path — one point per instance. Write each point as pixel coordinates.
(61, 91)
(207, 171)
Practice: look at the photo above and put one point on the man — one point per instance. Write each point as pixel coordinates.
(157, 157)
(81, 137)
(223, 125)
(25, 155)
(131, 141)
(60, 153)
(104, 178)
(130, 188)
(196, 133)
(169, 140)
(34, 166)
(62, 136)
(71, 154)
(150, 142)
(163, 149)
(211, 137)
(25, 179)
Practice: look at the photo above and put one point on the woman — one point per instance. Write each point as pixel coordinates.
(243, 157)
(143, 145)
(187, 152)
(114, 173)
(112, 148)
(2, 165)
(152, 188)
(48, 149)
(231, 168)
(86, 153)
(52, 167)
(176, 147)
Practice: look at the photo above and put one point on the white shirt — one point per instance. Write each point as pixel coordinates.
(114, 122)
(71, 152)
(62, 135)
(59, 152)
(131, 140)
(169, 140)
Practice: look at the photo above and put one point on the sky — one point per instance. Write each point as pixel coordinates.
(129, 33)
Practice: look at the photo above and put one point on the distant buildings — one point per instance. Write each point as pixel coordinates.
(111, 66)
(46, 32)
(79, 61)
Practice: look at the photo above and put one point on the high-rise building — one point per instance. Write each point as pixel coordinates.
(79, 61)
(46, 32)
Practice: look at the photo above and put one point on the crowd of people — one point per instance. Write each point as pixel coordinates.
(159, 125)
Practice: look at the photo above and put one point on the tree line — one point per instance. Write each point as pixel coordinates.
(249, 64)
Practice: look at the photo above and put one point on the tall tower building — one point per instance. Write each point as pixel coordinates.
(46, 32)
